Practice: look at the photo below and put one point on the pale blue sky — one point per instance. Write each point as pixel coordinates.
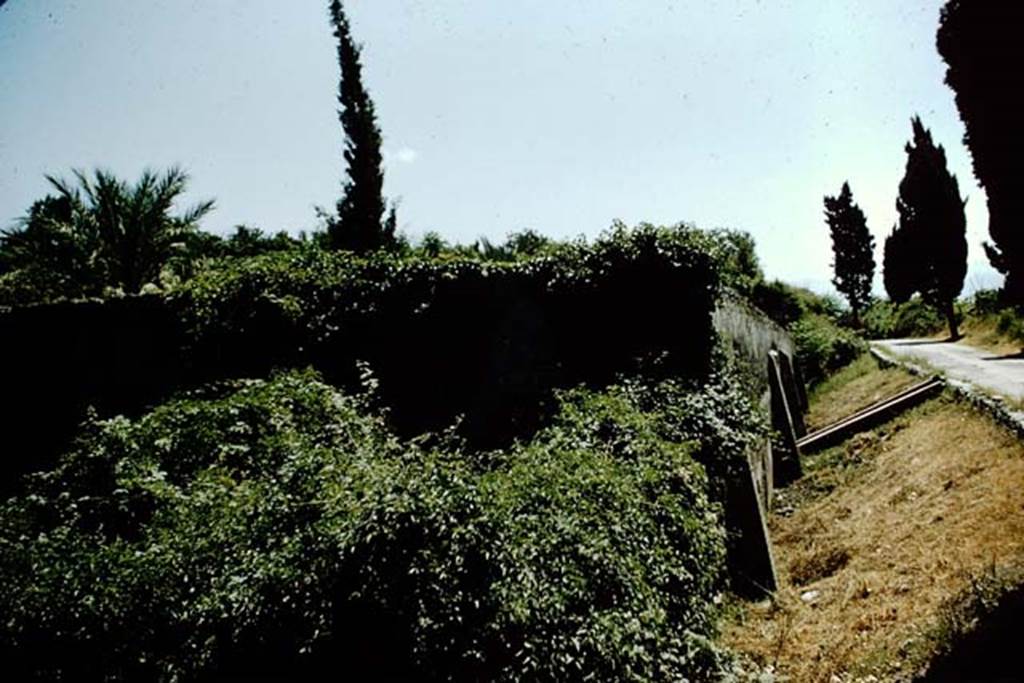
(558, 116)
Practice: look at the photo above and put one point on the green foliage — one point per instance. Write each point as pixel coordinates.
(819, 304)
(991, 304)
(249, 241)
(518, 246)
(737, 257)
(528, 243)
(852, 248)
(498, 335)
(201, 249)
(524, 244)
(986, 301)
(822, 346)
(786, 304)
(779, 301)
(927, 251)
(102, 233)
(276, 528)
(1009, 323)
(914, 318)
(360, 224)
(327, 284)
(986, 309)
(50, 255)
(718, 418)
(978, 40)
(818, 324)
(432, 245)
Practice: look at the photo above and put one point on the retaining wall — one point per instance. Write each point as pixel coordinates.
(765, 353)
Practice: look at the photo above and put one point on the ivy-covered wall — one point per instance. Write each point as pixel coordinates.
(445, 339)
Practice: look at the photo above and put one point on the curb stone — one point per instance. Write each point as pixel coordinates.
(993, 406)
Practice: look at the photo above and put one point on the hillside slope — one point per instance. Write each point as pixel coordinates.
(881, 536)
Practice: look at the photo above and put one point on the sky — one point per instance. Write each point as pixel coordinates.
(496, 115)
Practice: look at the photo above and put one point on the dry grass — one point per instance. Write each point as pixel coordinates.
(856, 386)
(983, 332)
(866, 563)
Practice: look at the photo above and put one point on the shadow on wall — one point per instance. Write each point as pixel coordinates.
(61, 358)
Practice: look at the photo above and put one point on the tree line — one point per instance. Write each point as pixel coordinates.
(926, 252)
(99, 232)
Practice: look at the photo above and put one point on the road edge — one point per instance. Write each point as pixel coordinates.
(994, 407)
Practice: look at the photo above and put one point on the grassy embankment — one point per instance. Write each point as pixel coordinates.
(892, 543)
(1000, 333)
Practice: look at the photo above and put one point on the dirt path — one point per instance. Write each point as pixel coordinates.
(1001, 375)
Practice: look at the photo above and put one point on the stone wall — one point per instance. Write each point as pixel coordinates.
(751, 335)
(765, 353)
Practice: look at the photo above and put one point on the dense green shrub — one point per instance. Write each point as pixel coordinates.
(822, 346)
(825, 305)
(986, 301)
(884, 319)
(779, 301)
(1010, 324)
(26, 286)
(718, 418)
(451, 336)
(986, 309)
(736, 253)
(786, 304)
(446, 337)
(276, 528)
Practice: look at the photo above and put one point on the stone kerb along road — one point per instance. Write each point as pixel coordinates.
(987, 371)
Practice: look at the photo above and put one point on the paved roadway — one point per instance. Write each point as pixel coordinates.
(990, 372)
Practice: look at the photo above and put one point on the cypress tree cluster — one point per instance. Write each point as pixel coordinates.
(853, 262)
(359, 224)
(927, 250)
(981, 45)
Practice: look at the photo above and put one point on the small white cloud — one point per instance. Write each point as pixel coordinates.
(406, 155)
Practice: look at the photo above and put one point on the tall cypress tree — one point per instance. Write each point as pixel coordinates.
(853, 263)
(358, 224)
(929, 246)
(981, 45)
(899, 267)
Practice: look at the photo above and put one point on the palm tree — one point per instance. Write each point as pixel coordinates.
(132, 226)
(120, 234)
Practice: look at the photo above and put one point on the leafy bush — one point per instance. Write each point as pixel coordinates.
(29, 285)
(450, 336)
(786, 304)
(1010, 323)
(822, 347)
(736, 253)
(986, 312)
(446, 337)
(884, 319)
(986, 301)
(276, 528)
(779, 301)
